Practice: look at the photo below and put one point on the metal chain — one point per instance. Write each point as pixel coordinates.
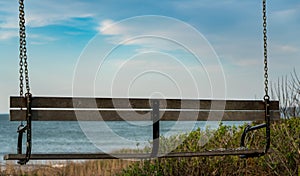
(21, 71)
(265, 38)
(23, 50)
(24, 72)
(266, 97)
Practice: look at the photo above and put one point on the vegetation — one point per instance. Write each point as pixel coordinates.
(87, 168)
(287, 91)
(284, 159)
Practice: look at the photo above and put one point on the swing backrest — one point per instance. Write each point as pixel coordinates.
(138, 109)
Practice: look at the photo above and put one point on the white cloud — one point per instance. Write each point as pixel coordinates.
(191, 4)
(43, 13)
(105, 27)
(286, 14)
(7, 34)
(9, 23)
(55, 12)
(288, 48)
(158, 33)
(165, 35)
(40, 14)
(37, 39)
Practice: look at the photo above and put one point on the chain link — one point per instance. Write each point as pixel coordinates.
(21, 64)
(265, 38)
(24, 73)
(23, 51)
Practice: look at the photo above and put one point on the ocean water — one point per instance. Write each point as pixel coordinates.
(64, 137)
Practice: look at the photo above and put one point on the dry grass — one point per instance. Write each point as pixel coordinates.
(87, 168)
(283, 160)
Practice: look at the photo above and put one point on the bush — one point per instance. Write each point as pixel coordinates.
(282, 160)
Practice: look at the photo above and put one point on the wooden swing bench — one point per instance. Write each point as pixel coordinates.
(139, 109)
(28, 108)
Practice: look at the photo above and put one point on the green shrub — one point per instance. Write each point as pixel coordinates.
(282, 160)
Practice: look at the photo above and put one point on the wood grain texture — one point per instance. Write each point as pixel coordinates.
(140, 103)
(135, 109)
(118, 115)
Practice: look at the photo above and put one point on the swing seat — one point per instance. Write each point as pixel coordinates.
(95, 156)
(140, 109)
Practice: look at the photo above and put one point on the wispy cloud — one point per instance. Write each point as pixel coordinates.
(108, 27)
(285, 15)
(157, 33)
(288, 48)
(37, 39)
(40, 14)
(8, 34)
(191, 4)
(43, 13)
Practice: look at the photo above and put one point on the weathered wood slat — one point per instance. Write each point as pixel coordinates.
(217, 104)
(217, 116)
(136, 103)
(78, 115)
(84, 156)
(118, 115)
(73, 102)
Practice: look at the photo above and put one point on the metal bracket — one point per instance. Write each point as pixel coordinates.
(155, 119)
(252, 128)
(27, 128)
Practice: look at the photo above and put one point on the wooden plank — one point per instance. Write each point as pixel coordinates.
(81, 115)
(118, 115)
(136, 103)
(217, 116)
(84, 156)
(77, 102)
(217, 104)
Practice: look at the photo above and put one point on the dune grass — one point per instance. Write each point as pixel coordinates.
(86, 168)
(283, 160)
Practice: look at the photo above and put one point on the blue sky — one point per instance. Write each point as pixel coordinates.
(67, 39)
